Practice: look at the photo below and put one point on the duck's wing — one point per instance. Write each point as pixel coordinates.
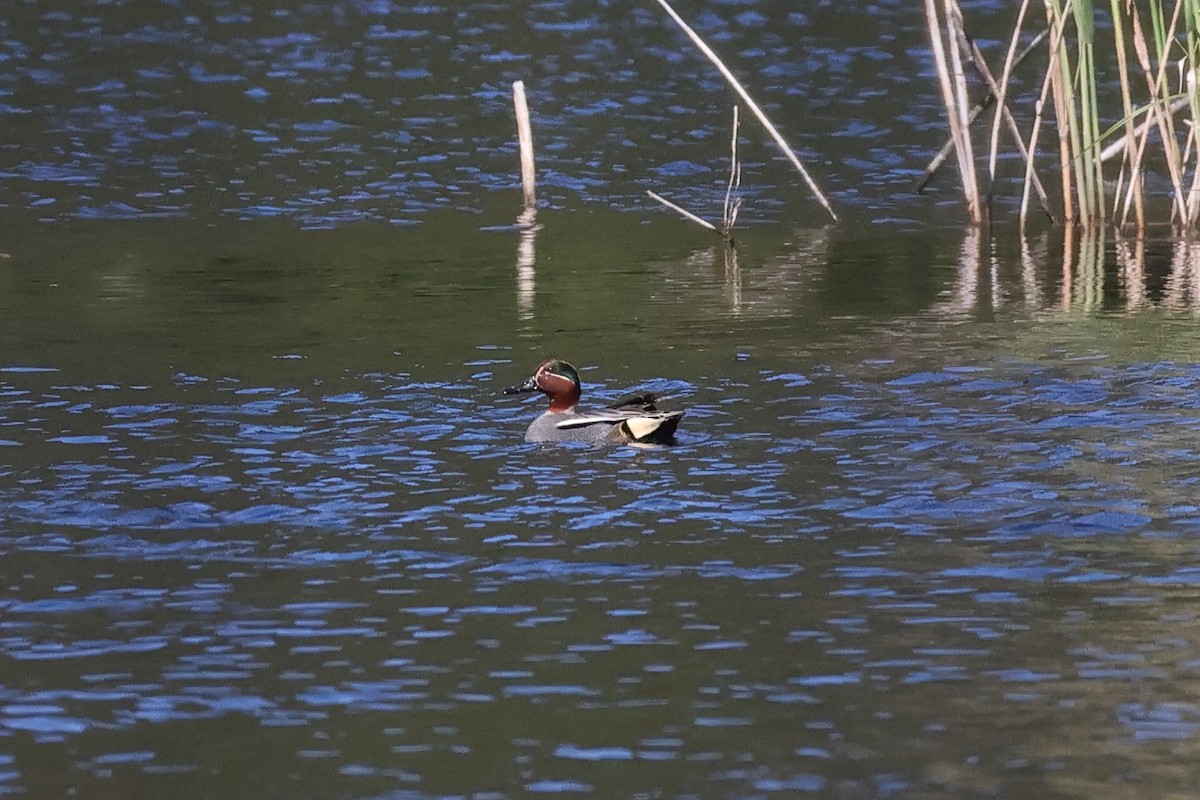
(638, 402)
(630, 422)
(601, 416)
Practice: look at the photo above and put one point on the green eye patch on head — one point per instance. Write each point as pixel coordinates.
(563, 370)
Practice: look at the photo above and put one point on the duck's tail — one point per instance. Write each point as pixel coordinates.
(651, 428)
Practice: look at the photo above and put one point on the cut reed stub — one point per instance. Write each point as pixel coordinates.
(525, 139)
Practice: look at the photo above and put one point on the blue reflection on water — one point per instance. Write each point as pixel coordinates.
(350, 111)
(205, 550)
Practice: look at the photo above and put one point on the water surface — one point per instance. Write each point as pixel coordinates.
(269, 528)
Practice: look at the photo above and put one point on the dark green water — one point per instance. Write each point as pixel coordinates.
(269, 529)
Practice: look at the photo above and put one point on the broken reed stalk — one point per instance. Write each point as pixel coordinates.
(954, 25)
(683, 211)
(1176, 161)
(1119, 146)
(525, 137)
(1133, 195)
(953, 85)
(733, 202)
(753, 106)
(1193, 197)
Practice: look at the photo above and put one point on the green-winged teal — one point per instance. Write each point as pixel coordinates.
(634, 419)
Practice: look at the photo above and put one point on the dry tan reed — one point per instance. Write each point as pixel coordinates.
(948, 61)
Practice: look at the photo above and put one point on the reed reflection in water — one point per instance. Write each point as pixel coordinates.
(527, 228)
(1126, 274)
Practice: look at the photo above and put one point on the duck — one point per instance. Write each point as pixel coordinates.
(633, 420)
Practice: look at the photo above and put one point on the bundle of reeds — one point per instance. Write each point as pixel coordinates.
(1155, 85)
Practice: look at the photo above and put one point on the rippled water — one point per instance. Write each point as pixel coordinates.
(371, 109)
(267, 521)
(269, 528)
(870, 577)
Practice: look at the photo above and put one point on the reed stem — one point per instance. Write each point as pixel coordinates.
(954, 25)
(1191, 57)
(1128, 142)
(1001, 95)
(1056, 33)
(1063, 92)
(953, 85)
(1156, 84)
(1089, 133)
